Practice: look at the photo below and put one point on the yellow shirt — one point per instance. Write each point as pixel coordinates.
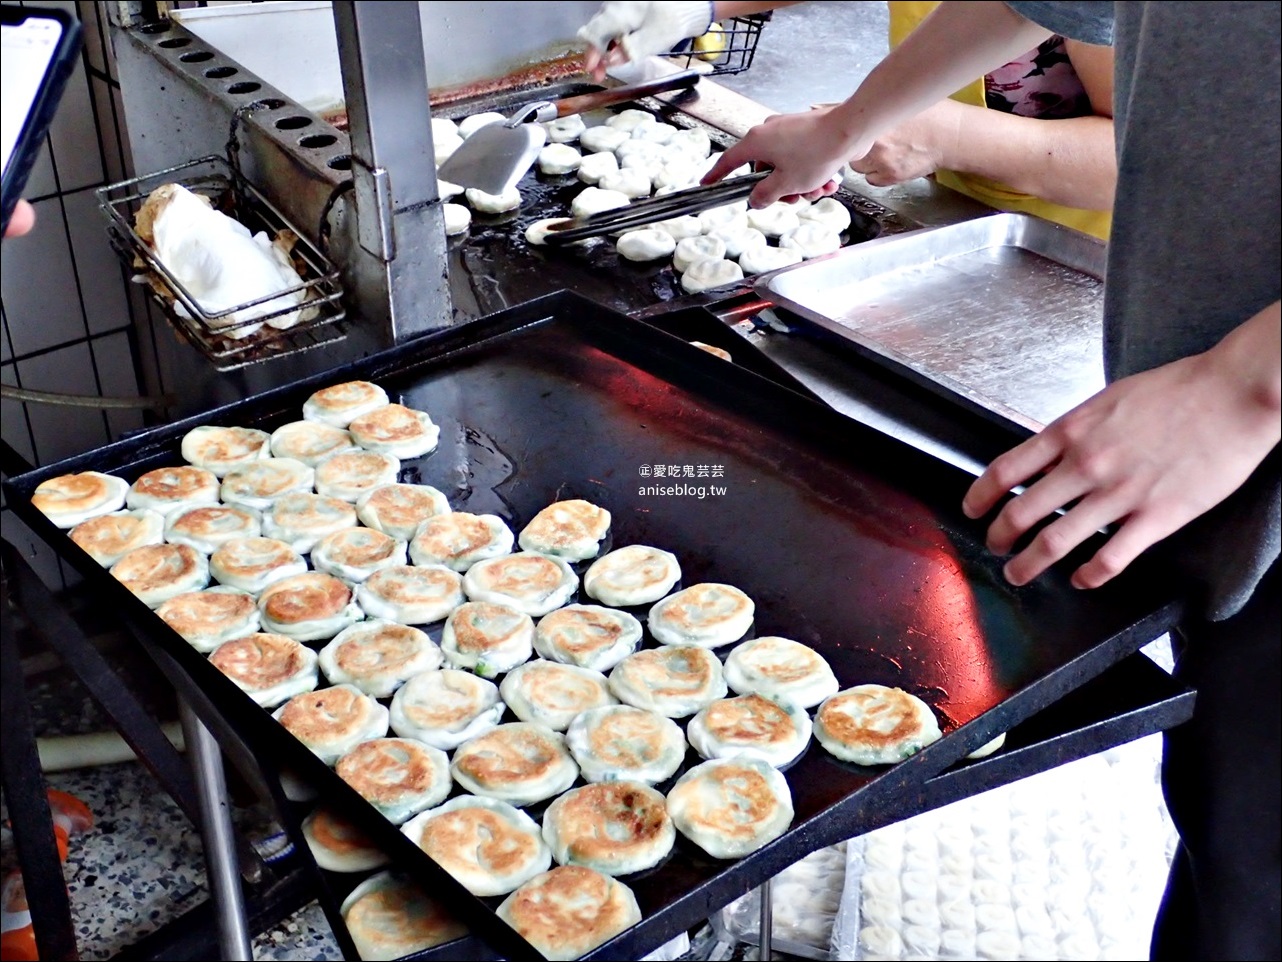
(905, 15)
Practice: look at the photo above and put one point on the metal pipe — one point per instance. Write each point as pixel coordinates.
(765, 927)
(217, 837)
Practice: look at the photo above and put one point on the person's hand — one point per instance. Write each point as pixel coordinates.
(1150, 453)
(21, 220)
(916, 148)
(626, 30)
(804, 150)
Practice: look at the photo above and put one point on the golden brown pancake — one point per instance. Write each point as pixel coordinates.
(445, 708)
(615, 828)
(309, 442)
(633, 575)
(459, 540)
(338, 845)
(349, 474)
(779, 667)
(570, 910)
(390, 918)
(487, 638)
(517, 763)
(626, 743)
(875, 725)
(339, 404)
(221, 449)
(410, 594)
(301, 520)
(158, 572)
(488, 845)
(110, 537)
(528, 582)
(399, 509)
(258, 484)
(398, 776)
(168, 489)
(308, 607)
(397, 430)
(588, 636)
(207, 618)
(731, 806)
(707, 615)
(72, 498)
(750, 725)
(673, 681)
(354, 554)
(567, 529)
(252, 564)
(551, 694)
(209, 527)
(270, 668)
(333, 721)
(378, 656)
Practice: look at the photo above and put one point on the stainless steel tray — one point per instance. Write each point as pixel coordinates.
(1003, 312)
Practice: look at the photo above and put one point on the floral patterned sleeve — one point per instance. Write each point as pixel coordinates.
(1041, 84)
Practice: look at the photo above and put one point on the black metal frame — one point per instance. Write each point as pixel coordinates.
(834, 801)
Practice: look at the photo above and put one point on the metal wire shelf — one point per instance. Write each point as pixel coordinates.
(215, 333)
(733, 48)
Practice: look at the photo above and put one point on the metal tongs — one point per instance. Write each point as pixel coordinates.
(653, 210)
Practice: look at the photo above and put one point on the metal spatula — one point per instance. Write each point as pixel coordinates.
(495, 157)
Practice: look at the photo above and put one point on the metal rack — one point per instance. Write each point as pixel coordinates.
(213, 333)
(738, 38)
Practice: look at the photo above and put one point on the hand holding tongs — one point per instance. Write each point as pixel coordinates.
(653, 210)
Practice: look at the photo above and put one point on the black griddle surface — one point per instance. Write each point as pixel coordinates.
(846, 539)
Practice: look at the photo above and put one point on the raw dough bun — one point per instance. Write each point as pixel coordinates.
(470, 125)
(595, 166)
(631, 119)
(687, 225)
(759, 260)
(597, 139)
(705, 275)
(829, 212)
(559, 159)
(457, 219)
(691, 250)
(648, 244)
(737, 241)
(565, 129)
(485, 203)
(775, 220)
(594, 200)
(812, 239)
(632, 182)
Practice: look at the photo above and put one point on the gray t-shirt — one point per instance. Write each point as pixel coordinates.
(1195, 248)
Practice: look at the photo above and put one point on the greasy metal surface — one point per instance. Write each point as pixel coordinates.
(1005, 311)
(867, 557)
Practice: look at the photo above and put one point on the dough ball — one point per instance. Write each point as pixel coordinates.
(647, 244)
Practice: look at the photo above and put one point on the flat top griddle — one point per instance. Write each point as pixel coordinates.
(847, 540)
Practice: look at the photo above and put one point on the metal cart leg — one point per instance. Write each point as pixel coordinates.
(765, 929)
(216, 834)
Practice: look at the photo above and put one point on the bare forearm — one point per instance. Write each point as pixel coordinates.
(1070, 162)
(1250, 358)
(955, 44)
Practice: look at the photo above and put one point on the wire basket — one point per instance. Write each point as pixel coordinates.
(730, 51)
(228, 337)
